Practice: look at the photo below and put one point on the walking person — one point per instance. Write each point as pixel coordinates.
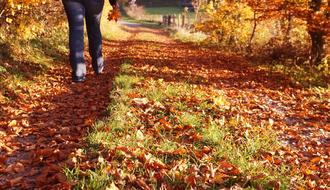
(77, 12)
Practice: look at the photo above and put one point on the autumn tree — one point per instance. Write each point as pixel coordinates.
(318, 28)
(228, 16)
(227, 22)
(314, 13)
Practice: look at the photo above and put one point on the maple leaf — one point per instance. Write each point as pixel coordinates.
(114, 15)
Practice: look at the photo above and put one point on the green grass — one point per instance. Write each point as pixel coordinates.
(168, 146)
(189, 119)
(214, 134)
(305, 75)
(91, 179)
(181, 106)
(125, 81)
(242, 152)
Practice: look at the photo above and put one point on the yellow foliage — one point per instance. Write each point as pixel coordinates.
(29, 29)
(26, 18)
(227, 22)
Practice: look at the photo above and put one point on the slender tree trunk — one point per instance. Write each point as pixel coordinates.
(2, 8)
(317, 49)
(196, 5)
(253, 30)
(286, 40)
(196, 13)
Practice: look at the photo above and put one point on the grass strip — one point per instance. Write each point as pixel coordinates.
(163, 135)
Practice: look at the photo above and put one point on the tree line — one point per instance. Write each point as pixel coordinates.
(221, 19)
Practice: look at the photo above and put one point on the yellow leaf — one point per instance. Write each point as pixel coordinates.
(220, 101)
(12, 123)
(9, 20)
(112, 187)
(139, 135)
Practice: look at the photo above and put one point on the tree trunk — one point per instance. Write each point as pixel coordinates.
(286, 40)
(317, 35)
(253, 30)
(317, 49)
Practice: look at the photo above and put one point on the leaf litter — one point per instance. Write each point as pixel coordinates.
(166, 144)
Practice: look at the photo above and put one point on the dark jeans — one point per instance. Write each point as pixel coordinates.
(77, 11)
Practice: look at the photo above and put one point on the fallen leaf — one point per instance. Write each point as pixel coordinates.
(12, 123)
(316, 159)
(112, 187)
(142, 184)
(220, 178)
(139, 135)
(15, 181)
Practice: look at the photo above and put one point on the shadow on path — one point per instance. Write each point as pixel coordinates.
(53, 125)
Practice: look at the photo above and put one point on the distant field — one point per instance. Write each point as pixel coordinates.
(167, 11)
(158, 3)
(163, 10)
(153, 15)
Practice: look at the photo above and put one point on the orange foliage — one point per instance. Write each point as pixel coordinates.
(314, 12)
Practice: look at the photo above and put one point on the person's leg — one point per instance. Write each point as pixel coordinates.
(75, 11)
(93, 17)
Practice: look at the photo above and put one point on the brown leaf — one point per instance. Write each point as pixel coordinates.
(142, 184)
(3, 159)
(15, 167)
(15, 181)
(60, 177)
(275, 184)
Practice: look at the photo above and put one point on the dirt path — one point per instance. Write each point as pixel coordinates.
(39, 134)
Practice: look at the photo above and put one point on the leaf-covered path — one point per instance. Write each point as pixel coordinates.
(43, 129)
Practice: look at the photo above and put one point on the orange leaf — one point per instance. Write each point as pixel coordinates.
(180, 151)
(220, 178)
(114, 15)
(191, 180)
(206, 150)
(316, 159)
